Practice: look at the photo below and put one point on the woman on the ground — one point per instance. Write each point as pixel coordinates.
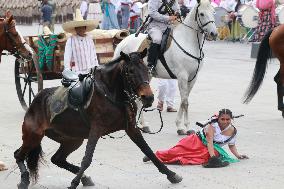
(205, 147)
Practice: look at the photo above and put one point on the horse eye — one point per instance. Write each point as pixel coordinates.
(201, 14)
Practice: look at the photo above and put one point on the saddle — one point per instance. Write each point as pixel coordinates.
(75, 93)
(165, 43)
(80, 88)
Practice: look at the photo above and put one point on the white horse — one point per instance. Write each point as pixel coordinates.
(184, 56)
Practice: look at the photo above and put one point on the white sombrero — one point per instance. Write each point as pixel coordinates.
(79, 22)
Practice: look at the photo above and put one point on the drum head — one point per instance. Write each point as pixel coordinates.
(221, 16)
(280, 14)
(249, 16)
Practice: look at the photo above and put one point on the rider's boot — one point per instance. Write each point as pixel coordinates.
(153, 50)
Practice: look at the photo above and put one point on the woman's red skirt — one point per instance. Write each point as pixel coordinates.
(189, 150)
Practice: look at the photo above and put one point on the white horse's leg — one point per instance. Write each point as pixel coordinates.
(184, 88)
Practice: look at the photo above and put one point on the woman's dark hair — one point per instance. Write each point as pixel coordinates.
(226, 111)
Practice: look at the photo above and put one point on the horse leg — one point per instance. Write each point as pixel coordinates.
(144, 127)
(67, 146)
(87, 160)
(136, 136)
(30, 151)
(184, 89)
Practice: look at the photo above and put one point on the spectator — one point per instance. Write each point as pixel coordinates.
(46, 10)
(84, 9)
(267, 18)
(125, 13)
(110, 10)
(167, 90)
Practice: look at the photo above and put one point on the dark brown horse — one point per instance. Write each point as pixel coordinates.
(11, 40)
(273, 42)
(112, 108)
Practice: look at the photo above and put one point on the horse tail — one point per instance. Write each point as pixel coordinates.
(32, 159)
(264, 53)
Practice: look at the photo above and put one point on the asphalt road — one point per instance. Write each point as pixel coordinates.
(117, 163)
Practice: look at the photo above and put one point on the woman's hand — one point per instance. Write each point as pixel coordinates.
(243, 157)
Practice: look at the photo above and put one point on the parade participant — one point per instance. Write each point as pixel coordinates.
(184, 10)
(167, 90)
(80, 52)
(161, 20)
(46, 10)
(110, 9)
(84, 9)
(125, 13)
(135, 12)
(267, 18)
(205, 147)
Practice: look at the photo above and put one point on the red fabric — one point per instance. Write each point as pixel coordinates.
(189, 150)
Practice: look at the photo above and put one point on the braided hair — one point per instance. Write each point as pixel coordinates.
(226, 111)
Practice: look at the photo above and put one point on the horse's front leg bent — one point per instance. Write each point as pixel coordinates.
(136, 136)
(87, 160)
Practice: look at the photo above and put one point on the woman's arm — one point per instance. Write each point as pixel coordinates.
(209, 132)
(234, 150)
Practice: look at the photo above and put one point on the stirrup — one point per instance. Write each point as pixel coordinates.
(151, 69)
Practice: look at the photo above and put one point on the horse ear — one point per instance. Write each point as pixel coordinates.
(144, 53)
(124, 56)
(198, 1)
(8, 14)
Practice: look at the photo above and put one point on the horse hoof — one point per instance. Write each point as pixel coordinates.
(22, 186)
(87, 181)
(175, 178)
(181, 132)
(146, 130)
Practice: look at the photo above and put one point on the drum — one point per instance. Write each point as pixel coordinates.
(248, 16)
(221, 17)
(280, 14)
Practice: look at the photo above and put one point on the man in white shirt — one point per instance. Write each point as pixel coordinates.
(80, 52)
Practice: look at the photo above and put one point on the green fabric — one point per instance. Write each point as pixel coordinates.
(46, 51)
(223, 154)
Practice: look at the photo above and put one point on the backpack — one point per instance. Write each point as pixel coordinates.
(264, 4)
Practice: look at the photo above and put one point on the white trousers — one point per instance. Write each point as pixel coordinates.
(167, 90)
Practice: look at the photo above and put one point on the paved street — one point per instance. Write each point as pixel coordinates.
(117, 163)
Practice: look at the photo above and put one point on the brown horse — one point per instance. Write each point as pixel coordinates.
(11, 40)
(112, 108)
(273, 42)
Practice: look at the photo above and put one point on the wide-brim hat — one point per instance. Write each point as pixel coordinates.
(79, 22)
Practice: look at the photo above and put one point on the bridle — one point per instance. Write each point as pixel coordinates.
(200, 45)
(16, 46)
(130, 87)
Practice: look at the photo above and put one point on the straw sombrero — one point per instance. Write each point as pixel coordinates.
(79, 22)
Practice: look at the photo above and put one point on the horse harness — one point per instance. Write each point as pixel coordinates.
(167, 33)
(16, 47)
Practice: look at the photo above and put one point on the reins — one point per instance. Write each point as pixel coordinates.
(200, 46)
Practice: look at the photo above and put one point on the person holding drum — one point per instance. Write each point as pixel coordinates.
(267, 18)
(205, 147)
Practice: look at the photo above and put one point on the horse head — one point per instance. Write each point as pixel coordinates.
(136, 76)
(203, 16)
(12, 40)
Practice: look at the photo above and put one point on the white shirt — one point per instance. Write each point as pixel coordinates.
(81, 51)
(219, 137)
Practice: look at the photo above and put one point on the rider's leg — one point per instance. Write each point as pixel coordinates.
(154, 49)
